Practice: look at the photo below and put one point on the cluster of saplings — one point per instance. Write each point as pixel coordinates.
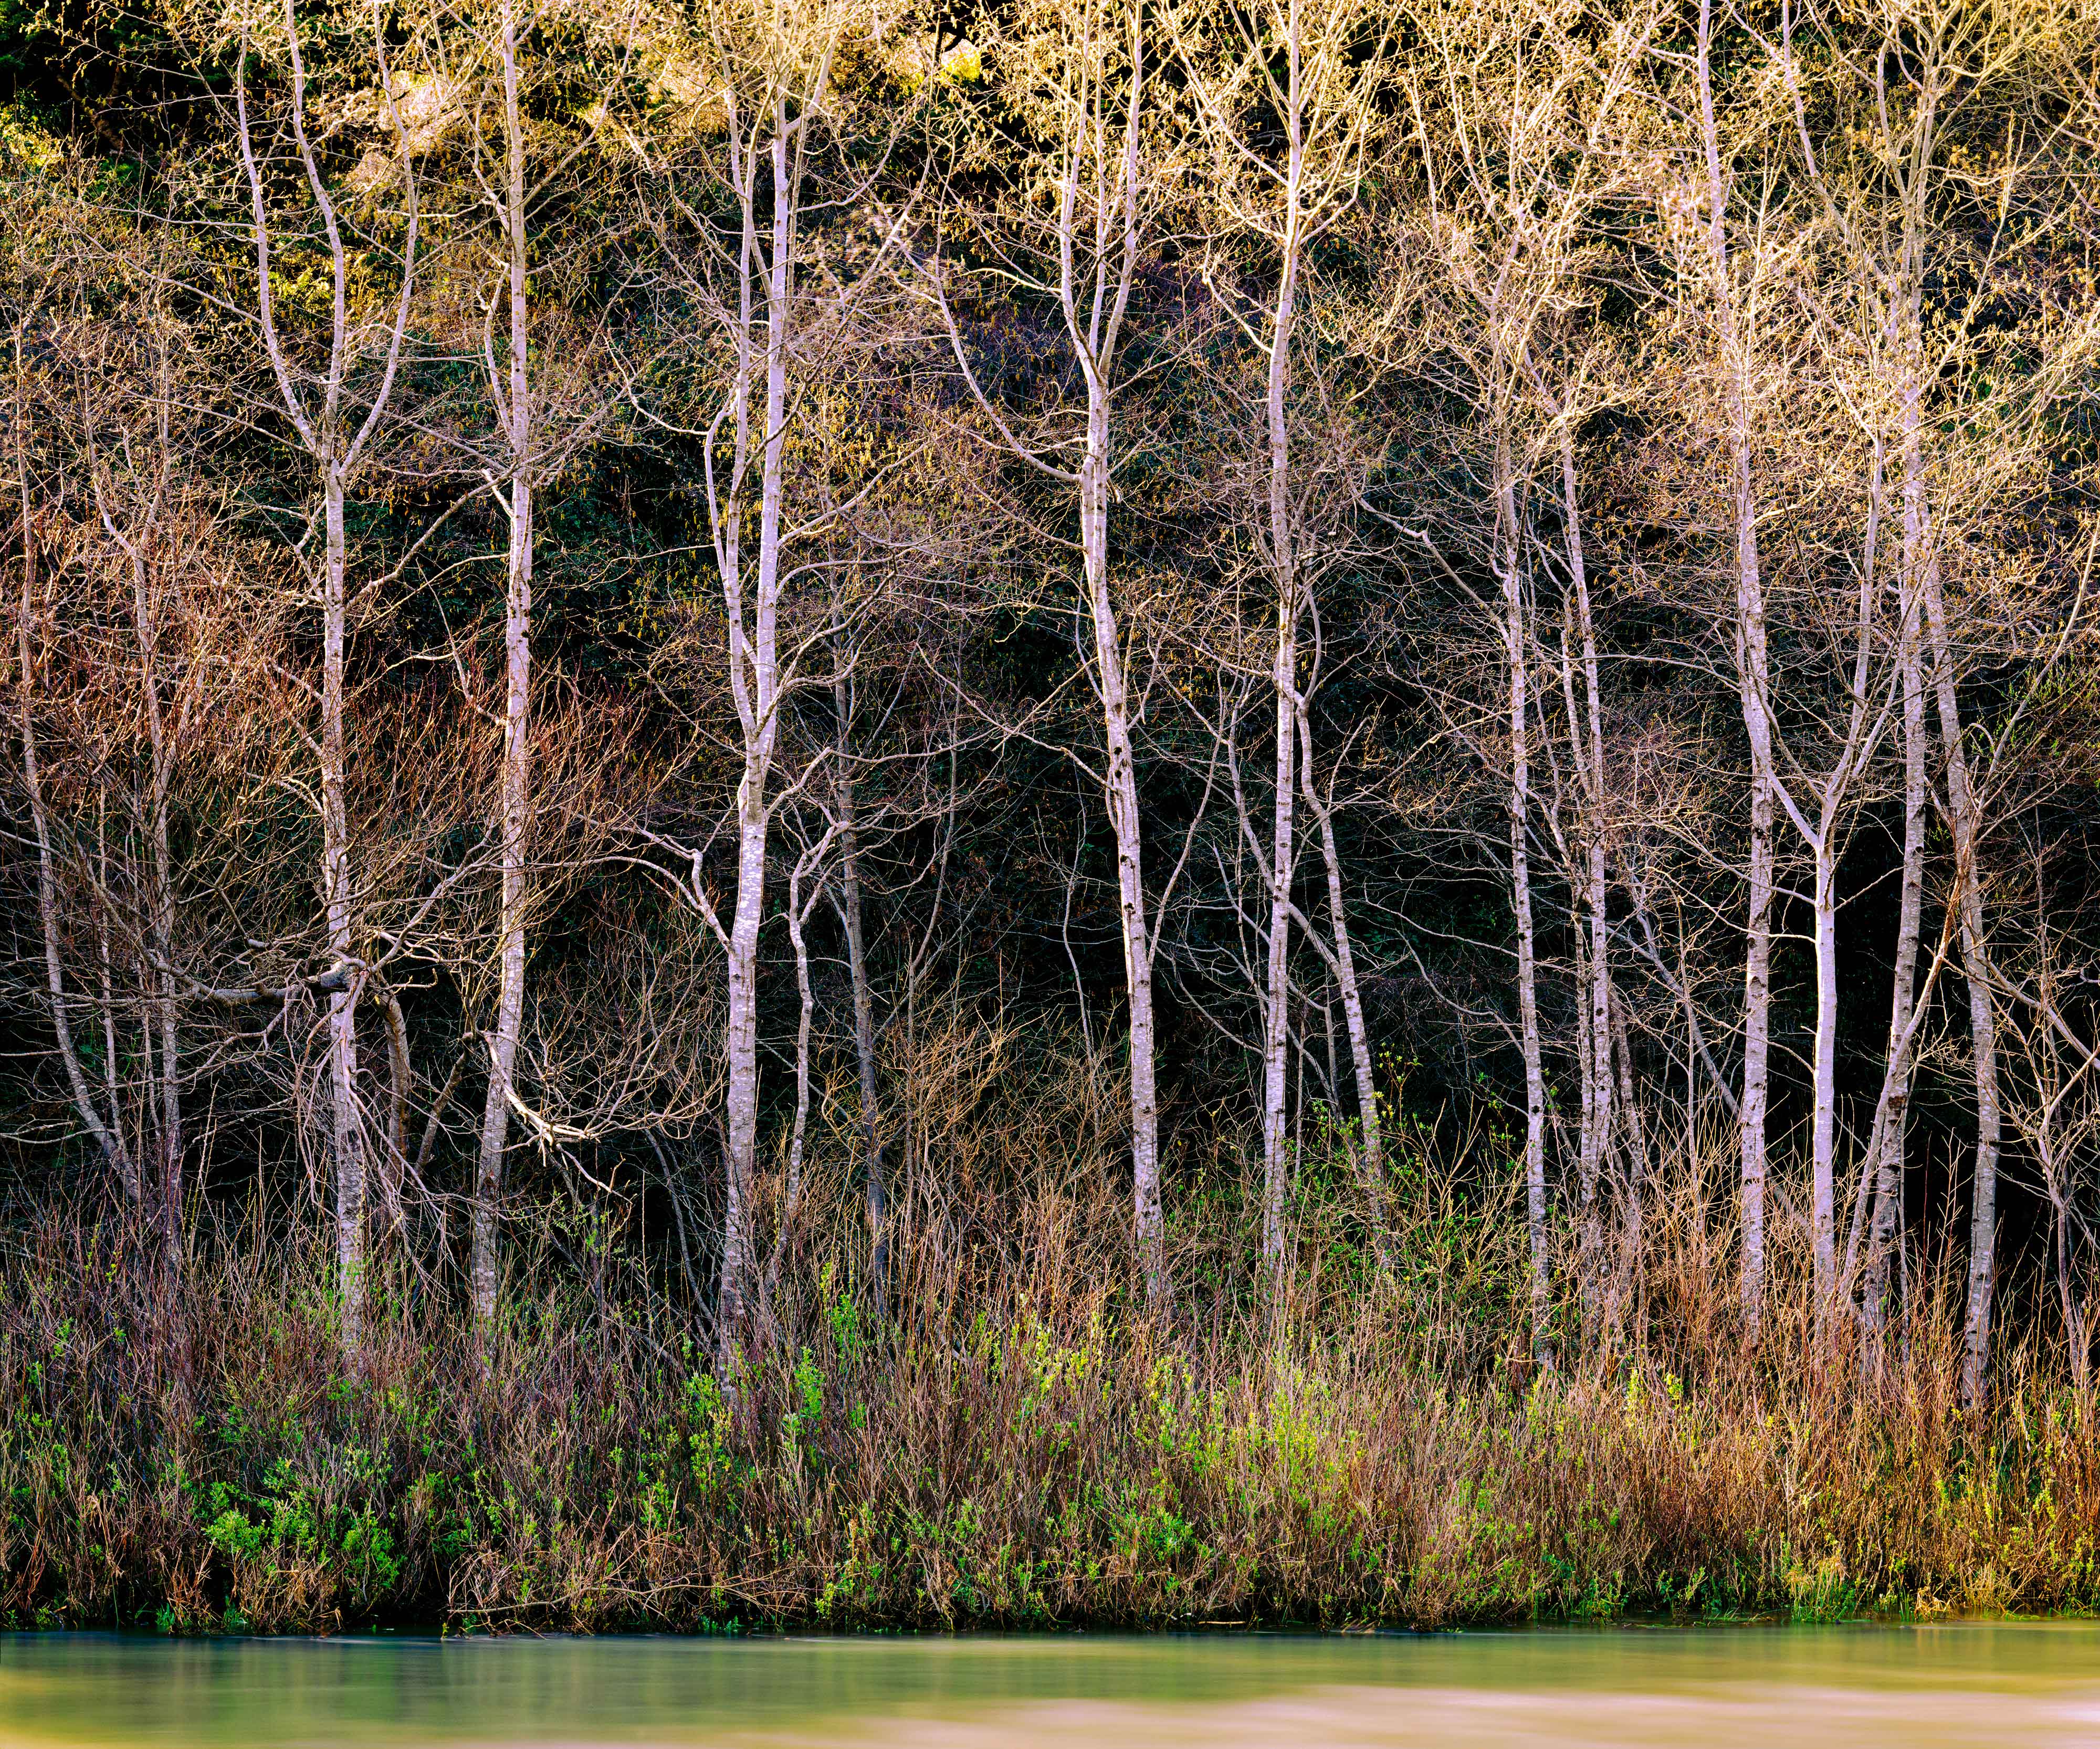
(1109, 810)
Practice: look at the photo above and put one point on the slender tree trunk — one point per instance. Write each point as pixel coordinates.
(756, 656)
(1369, 1122)
(321, 428)
(1893, 1107)
(516, 805)
(1276, 1032)
(1515, 645)
(1964, 810)
(1753, 668)
(1596, 887)
(106, 967)
(163, 937)
(347, 1128)
(1121, 789)
(1823, 1127)
(791, 1200)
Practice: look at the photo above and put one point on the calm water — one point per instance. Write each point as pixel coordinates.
(1920, 1688)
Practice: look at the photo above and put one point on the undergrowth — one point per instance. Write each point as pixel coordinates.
(1382, 1452)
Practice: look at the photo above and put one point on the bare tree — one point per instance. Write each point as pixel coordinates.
(1303, 62)
(1079, 73)
(774, 305)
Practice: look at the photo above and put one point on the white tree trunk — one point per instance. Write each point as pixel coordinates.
(1823, 1127)
(1344, 967)
(1516, 643)
(321, 423)
(1596, 887)
(347, 1128)
(1965, 817)
(516, 819)
(1282, 855)
(1121, 789)
(1752, 669)
(1893, 1108)
(755, 662)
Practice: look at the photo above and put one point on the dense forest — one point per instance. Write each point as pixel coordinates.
(1103, 810)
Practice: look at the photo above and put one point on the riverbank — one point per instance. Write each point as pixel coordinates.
(1056, 1463)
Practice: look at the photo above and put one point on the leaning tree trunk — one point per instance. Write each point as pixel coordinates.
(1370, 1124)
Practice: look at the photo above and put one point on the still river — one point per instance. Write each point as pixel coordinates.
(1928, 1687)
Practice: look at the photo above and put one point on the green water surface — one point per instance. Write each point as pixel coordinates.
(1919, 1687)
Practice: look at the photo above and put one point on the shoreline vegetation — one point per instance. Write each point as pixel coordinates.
(1015, 1453)
(1138, 813)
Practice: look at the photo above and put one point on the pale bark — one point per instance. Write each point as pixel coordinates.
(514, 401)
(1096, 264)
(1589, 740)
(1121, 794)
(1515, 646)
(347, 1128)
(1283, 559)
(1965, 819)
(1753, 668)
(1824, 835)
(324, 430)
(1342, 961)
(1892, 1109)
(765, 275)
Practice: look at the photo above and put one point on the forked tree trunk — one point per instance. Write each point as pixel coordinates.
(755, 663)
(322, 423)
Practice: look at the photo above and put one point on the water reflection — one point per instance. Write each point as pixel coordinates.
(1933, 1687)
